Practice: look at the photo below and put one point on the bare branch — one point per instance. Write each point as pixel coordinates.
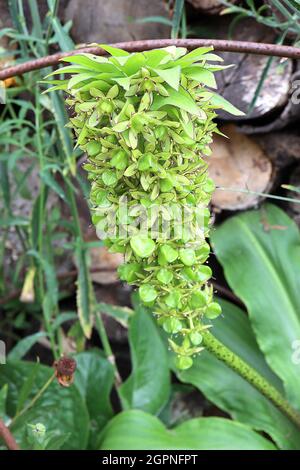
(135, 46)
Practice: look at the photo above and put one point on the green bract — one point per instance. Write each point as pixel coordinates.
(145, 121)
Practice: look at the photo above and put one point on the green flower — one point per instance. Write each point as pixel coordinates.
(146, 121)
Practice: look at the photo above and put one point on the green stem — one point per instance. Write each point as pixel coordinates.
(107, 348)
(34, 400)
(224, 354)
(51, 14)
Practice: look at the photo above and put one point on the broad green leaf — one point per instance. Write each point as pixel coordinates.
(120, 126)
(181, 99)
(56, 442)
(220, 103)
(232, 393)
(174, 52)
(80, 77)
(24, 345)
(170, 76)
(61, 410)
(99, 84)
(134, 63)
(201, 75)
(99, 64)
(114, 51)
(62, 86)
(156, 56)
(212, 57)
(193, 56)
(3, 397)
(260, 254)
(26, 388)
(94, 379)
(124, 82)
(68, 69)
(136, 430)
(119, 61)
(148, 386)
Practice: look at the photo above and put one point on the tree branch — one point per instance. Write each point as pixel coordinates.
(143, 45)
(7, 437)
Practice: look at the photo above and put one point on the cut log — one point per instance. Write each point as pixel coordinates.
(5, 22)
(113, 21)
(238, 163)
(239, 84)
(289, 115)
(281, 147)
(294, 207)
(210, 7)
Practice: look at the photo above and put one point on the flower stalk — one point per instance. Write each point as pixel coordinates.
(224, 354)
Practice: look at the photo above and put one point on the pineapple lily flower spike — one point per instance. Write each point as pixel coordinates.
(146, 122)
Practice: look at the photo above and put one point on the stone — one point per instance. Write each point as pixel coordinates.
(109, 22)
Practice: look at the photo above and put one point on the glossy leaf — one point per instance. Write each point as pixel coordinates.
(3, 397)
(61, 410)
(94, 379)
(260, 253)
(179, 99)
(116, 52)
(94, 63)
(221, 103)
(148, 386)
(202, 75)
(194, 56)
(136, 430)
(170, 76)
